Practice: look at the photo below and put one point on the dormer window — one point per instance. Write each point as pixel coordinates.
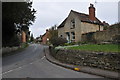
(95, 21)
(72, 24)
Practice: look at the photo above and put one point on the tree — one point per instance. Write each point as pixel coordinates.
(15, 16)
(31, 38)
(53, 37)
(56, 41)
(53, 32)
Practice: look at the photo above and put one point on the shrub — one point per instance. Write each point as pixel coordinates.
(56, 41)
(68, 44)
(82, 42)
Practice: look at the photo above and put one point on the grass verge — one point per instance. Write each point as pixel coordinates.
(97, 48)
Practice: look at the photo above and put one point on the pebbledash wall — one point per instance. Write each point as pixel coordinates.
(111, 34)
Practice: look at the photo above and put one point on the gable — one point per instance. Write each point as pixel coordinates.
(70, 17)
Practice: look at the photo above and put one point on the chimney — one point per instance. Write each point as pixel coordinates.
(46, 30)
(92, 12)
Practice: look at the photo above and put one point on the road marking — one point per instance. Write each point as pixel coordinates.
(43, 57)
(31, 63)
(11, 70)
(7, 72)
(19, 67)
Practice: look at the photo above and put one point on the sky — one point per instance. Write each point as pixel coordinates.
(53, 12)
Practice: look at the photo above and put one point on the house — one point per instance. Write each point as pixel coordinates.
(23, 36)
(45, 37)
(77, 24)
(38, 39)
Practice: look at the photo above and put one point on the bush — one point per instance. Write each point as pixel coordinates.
(68, 44)
(10, 41)
(83, 42)
(56, 41)
(24, 45)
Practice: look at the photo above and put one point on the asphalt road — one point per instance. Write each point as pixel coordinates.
(32, 63)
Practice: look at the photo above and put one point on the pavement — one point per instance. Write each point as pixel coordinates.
(90, 70)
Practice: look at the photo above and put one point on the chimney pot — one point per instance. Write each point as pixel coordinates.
(46, 30)
(91, 5)
(104, 22)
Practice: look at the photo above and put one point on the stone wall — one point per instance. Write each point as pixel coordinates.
(8, 49)
(107, 61)
(87, 27)
(108, 35)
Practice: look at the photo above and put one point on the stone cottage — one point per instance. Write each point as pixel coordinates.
(77, 24)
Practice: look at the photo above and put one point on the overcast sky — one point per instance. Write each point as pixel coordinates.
(54, 12)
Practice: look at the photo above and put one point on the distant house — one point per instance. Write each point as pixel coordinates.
(23, 36)
(39, 39)
(77, 24)
(45, 37)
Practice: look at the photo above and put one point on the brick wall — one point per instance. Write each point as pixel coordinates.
(23, 36)
(45, 37)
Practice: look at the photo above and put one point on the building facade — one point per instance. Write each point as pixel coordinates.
(45, 37)
(23, 37)
(77, 24)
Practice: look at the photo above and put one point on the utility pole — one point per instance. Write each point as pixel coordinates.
(95, 2)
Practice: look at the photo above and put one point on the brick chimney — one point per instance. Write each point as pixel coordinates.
(23, 37)
(92, 12)
(46, 30)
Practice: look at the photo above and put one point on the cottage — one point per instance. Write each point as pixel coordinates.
(77, 24)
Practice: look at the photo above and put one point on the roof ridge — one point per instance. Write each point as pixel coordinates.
(84, 14)
(79, 12)
(83, 17)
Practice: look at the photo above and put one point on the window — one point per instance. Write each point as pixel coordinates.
(72, 23)
(68, 36)
(61, 36)
(73, 35)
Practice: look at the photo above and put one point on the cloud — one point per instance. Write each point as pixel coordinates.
(50, 13)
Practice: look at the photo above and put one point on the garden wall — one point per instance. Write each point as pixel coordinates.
(107, 61)
(112, 34)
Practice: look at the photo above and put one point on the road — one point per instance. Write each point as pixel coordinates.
(32, 63)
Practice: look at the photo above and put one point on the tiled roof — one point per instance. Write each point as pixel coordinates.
(84, 18)
(62, 24)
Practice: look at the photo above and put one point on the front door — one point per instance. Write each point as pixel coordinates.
(68, 37)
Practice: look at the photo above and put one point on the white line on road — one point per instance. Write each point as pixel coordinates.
(11, 70)
(43, 57)
(18, 67)
(31, 63)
